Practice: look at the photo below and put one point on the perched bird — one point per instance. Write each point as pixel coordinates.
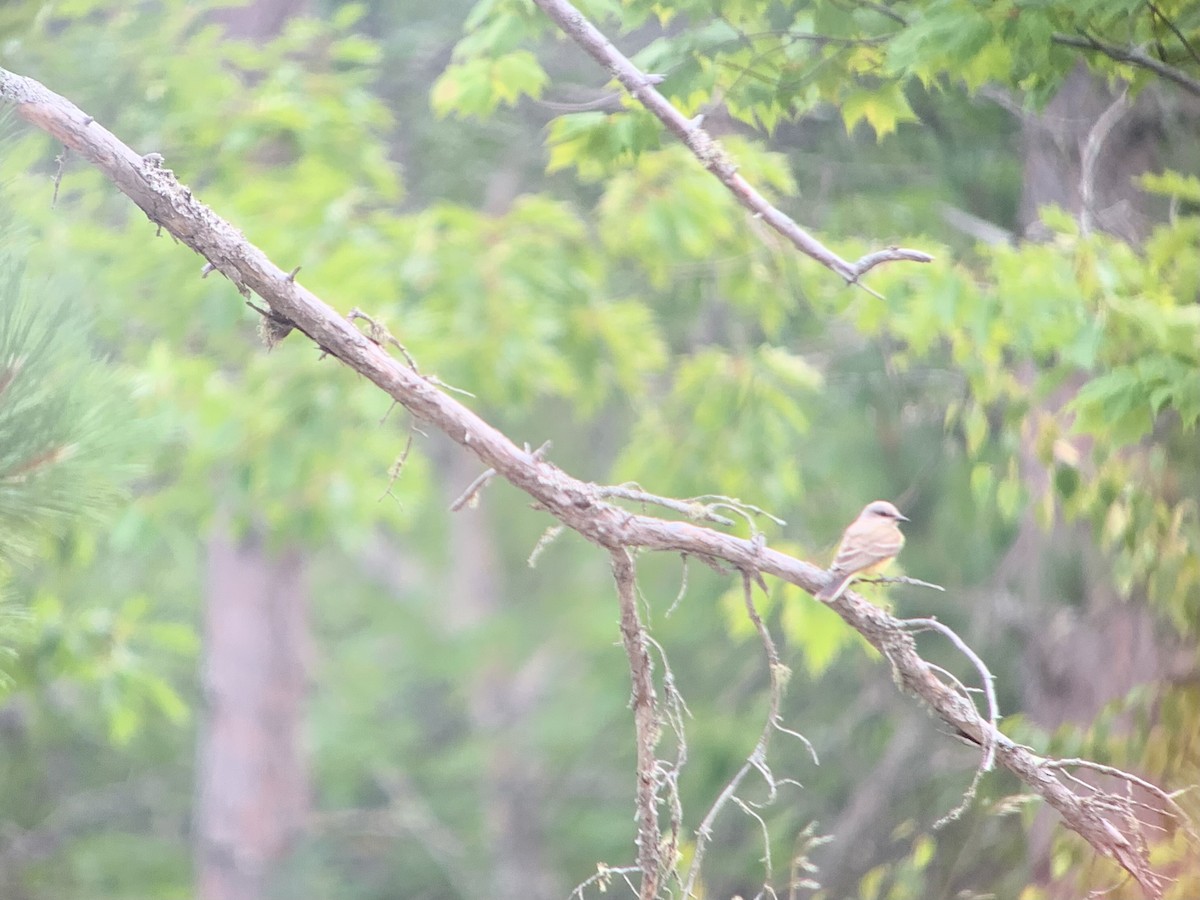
(868, 544)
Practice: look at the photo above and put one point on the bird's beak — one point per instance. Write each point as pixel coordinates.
(902, 517)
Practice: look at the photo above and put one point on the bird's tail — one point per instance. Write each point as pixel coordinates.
(834, 587)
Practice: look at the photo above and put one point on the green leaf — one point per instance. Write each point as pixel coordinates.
(476, 87)
(883, 109)
(1171, 184)
(982, 482)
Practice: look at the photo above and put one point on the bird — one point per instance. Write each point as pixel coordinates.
(868, 544)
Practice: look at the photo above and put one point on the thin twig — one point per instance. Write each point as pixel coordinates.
(766, 839)
(1176, 811)
(1132, 56)
(60, 168)
(985, 675)
(1180, 36)
(548, 537)
(694, 510)
(437, 382)
(704, 831)
(469, 495)
(603, 878)
(743, 509)
(683, 584)
(397, 467)
(884, 10)
(376, 330)
(609, 101)
(806, 841)
(673, 710)
(899, 579)
(964, 803)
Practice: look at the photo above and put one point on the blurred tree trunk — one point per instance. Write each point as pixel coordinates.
(252, 780)
(252, 773)
(259, 20)
(1125, 138)
(1079, 656)
(1074, 677)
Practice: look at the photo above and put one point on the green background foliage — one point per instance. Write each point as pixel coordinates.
(588, 282)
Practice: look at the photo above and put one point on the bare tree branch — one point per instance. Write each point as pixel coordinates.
(576, 26)
(575, 503)
(1133, 57)
(1157, 13)
(645, 724)
(1090, 156)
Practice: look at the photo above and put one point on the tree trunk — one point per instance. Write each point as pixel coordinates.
(1079, 656)
(1081, 121)
(259, 20)
(252, 773)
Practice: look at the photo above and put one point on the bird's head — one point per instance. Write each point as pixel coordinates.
(883, 509)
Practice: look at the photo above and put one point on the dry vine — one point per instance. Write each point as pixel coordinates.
(1098, 817)
(778, 675)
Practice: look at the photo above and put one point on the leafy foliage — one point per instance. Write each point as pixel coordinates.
(625, 307)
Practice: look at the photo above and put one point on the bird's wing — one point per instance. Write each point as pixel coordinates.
(864, 547)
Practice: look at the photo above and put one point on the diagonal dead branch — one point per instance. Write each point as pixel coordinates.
(708, 151)
(573, 502)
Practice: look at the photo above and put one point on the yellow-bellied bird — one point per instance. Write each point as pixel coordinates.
(869, 543)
